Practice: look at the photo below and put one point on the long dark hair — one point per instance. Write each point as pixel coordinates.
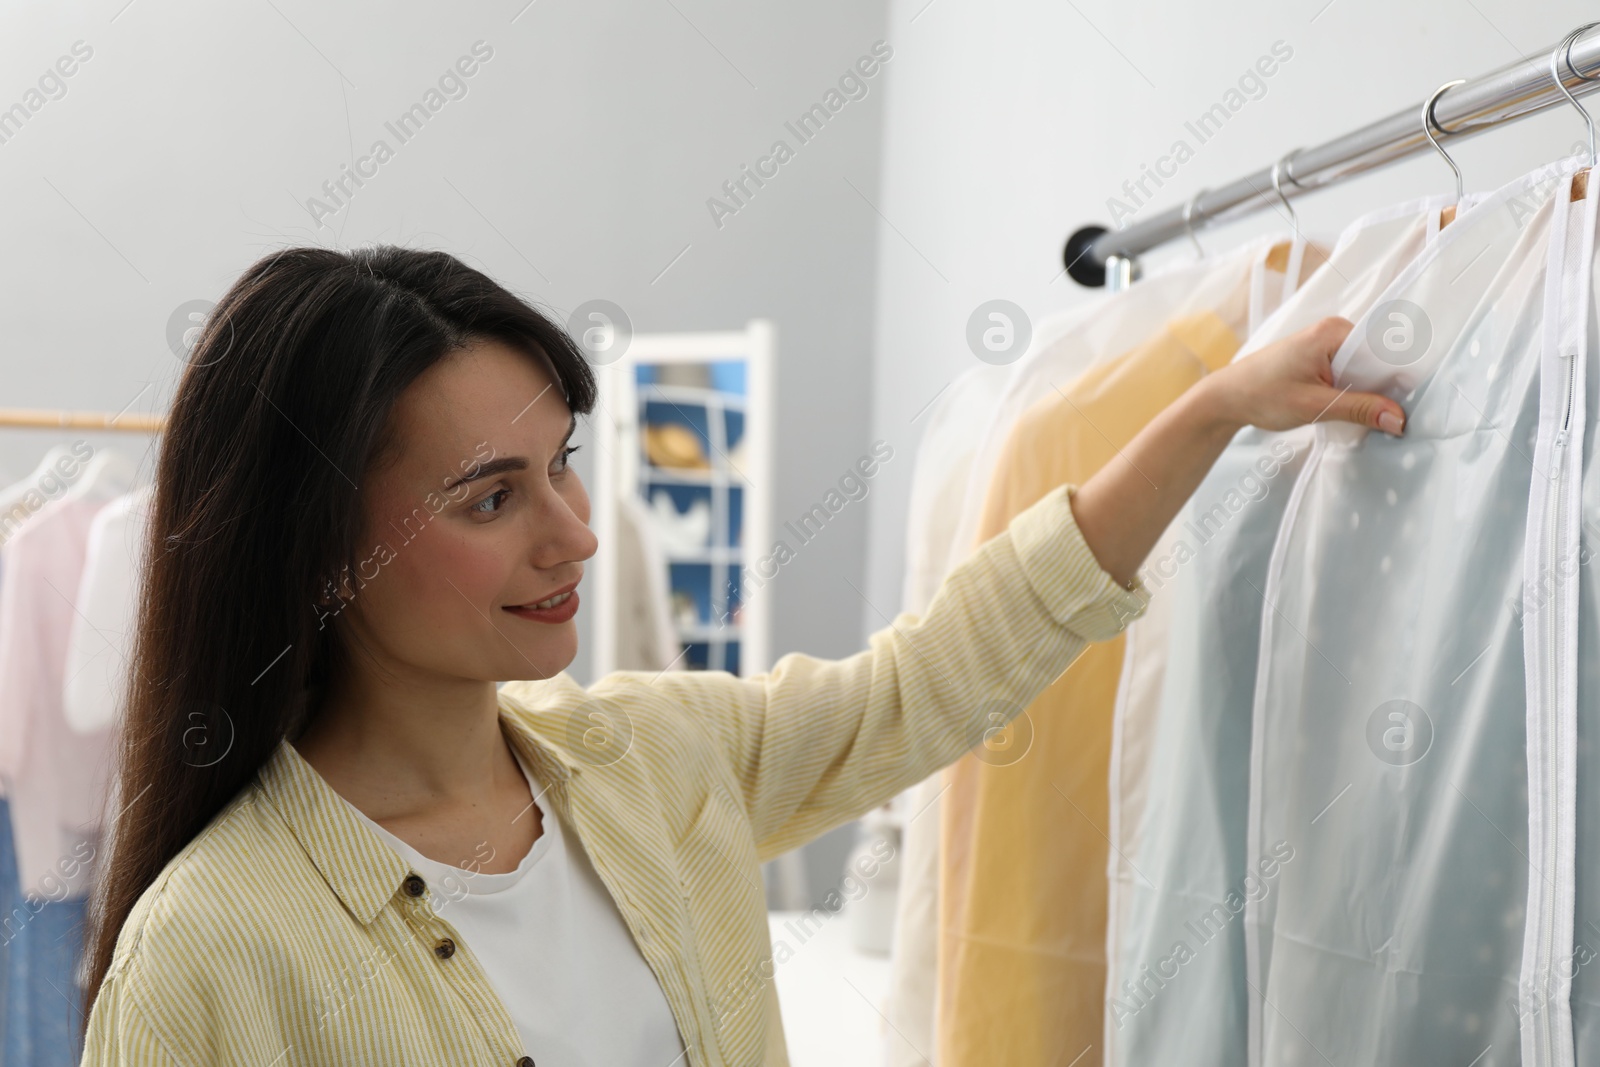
(283, 407)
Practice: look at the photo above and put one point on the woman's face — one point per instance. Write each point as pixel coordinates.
(475, 519)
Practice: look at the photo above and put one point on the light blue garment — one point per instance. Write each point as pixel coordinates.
(1389, 753)
(1185, 856)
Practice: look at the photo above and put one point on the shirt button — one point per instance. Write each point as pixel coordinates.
(526, 1061)
(415, 885)
(445, 948)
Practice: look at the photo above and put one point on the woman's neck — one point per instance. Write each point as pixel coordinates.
(397, 749)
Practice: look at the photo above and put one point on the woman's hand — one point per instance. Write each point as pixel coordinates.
(1290, 383)
(1123, 509)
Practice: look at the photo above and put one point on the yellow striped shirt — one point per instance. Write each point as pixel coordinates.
(286, 933)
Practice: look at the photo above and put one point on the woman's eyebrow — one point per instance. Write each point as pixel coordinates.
(504, 463)
(489, 470)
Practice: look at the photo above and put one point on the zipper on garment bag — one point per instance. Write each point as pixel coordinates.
(1553, 756)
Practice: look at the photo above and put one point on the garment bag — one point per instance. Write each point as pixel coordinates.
(1584, 964)
(1388, 788)
(1227, 285)
(1182, 736)
(1553, 643)
(952, 428)
(1024, 821)
(967, 427)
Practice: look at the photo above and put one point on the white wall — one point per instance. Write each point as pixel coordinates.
(1011, 123)
(577, 166)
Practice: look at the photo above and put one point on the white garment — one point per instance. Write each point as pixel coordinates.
(555, 948)
(56, 780)
(103, 626)
(646, 640)
(1181, 739)
(1389, 749)
(954, 427)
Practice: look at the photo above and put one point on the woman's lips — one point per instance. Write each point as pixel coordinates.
(554, 609)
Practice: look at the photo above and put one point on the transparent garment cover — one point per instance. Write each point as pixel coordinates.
(1182, 741)
(1388, 777)
(1562, 650)
(1584, 964)
(1067, 345)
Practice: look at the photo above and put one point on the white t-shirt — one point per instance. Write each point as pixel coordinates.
(556, 950)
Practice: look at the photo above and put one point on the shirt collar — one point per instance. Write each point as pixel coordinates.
(363, 871)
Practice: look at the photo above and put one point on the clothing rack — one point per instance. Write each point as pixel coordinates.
(43, 419)
(1095, 256)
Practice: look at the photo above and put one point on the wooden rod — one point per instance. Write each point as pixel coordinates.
(43, 419)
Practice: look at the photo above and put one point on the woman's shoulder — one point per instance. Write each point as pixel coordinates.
(214, 891)
(559, 709)
(655, 723)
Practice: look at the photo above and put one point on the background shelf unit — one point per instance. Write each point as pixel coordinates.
(729, 631)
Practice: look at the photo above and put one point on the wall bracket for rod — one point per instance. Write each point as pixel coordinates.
(1081, 266)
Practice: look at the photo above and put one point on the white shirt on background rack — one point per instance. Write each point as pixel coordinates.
(103, 626)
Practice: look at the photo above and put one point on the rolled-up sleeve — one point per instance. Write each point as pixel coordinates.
(814, 743)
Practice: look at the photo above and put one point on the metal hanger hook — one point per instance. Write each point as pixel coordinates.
(1564, 51)
(1279, 169)
(1188, 221)
(1429, 123)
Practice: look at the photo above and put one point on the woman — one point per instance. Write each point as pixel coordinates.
(337, 842)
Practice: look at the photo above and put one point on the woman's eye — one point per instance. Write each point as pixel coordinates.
(566, 456)
(491, 498)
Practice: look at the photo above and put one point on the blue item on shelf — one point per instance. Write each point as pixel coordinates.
(728, 376)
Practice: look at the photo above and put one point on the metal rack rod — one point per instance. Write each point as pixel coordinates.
(1463, 111)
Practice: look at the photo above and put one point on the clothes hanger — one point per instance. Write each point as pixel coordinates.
(1188, 223)
(109, 474)
(1448, 215)
(1580, 180)
(14, 494)
(1278, 257)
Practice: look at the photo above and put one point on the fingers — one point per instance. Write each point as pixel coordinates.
(1364, 409)
(1370, 410)
(1326, 335)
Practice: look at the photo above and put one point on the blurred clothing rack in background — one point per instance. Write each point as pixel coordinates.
(46, 419)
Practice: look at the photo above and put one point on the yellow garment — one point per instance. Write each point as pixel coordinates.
(1023, 880)
(678, 786)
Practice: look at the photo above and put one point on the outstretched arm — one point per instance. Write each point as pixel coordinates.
(814, 743)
